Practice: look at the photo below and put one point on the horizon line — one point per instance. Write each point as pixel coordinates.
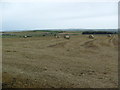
(67, 29)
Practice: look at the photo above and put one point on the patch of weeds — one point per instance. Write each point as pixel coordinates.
(10, 51)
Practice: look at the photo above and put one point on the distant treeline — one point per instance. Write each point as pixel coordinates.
(99, 32)
(47, 31)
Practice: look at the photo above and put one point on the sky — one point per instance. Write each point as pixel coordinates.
(64, 14)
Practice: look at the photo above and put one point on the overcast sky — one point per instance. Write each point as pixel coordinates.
(59, 15)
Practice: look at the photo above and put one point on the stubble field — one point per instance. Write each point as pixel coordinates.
(49, 62)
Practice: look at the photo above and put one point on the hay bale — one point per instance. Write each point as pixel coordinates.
(57, 36)
(67, 37)
(25, 36)
(109, 35)
(91, 36)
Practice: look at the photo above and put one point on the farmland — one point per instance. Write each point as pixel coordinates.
(43, 61)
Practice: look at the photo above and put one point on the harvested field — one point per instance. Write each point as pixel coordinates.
(49, 62)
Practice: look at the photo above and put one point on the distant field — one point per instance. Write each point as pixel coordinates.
(37, 33)
(49, 62)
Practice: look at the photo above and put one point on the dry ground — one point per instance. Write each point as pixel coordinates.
(48, 62)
